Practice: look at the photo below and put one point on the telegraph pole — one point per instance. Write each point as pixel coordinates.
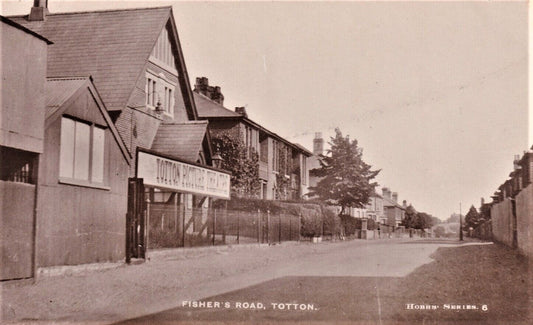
(460, 223)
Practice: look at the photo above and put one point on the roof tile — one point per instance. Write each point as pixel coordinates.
(182, 140)
(111, 46)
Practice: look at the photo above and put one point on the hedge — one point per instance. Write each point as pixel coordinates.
(317, 219)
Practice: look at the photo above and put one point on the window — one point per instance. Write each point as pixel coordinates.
(275, 156)
(81, 151)
(150, 92)
(304, 170)
(264, 151)
(159, 91)
(17, 165)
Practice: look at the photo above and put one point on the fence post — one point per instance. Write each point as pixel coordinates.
(279, 223)
(238, 226)
(290, 228)
(268, 226)
(224, 219)
(322, 234)
(299, 227)
(259, 226)
(176, 212)
(183, 225)
(214, 224)
(147, 228)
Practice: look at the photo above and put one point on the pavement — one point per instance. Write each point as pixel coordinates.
(119, 292)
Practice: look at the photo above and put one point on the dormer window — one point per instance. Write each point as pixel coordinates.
(160, 91)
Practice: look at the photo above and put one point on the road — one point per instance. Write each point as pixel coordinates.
(355, 281)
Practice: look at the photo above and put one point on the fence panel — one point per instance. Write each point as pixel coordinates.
(173, 225)
(163, 230)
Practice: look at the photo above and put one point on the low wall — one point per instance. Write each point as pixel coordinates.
(524, 221)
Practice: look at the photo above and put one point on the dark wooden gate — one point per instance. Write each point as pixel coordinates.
(135, 220)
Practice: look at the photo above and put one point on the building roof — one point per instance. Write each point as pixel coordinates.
(60, 92)
(112, 46)
(181, 140)
(207, 108)
(24, 29)
(391, 203)
(304, 150)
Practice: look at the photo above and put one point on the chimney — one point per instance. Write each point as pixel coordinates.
(318, 144)
(201, 85)
(39, 10)
(386, 193)
(482, 201)
(395, 197)
(404, 203)
(516, 161)
(241, 110)
(213, 93)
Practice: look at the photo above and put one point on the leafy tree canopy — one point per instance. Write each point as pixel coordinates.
(346, 180)
(472, 218)
(241, 162)
(418, 220)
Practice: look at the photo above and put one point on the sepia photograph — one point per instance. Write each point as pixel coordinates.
(266, 162)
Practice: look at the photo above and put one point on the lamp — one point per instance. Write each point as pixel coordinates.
(159, 107)
(217, 159)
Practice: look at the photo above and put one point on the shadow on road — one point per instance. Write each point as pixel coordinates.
(457, 288)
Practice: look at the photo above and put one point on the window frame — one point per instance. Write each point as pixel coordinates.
(163, 88)
(90, 181)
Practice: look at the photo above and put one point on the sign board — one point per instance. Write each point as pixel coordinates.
(182, 177)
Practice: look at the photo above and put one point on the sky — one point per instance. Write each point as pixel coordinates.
(436, 93)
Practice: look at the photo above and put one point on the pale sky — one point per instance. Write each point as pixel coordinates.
(435, 92)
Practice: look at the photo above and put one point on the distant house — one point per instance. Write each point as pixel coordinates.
(283, 170)
(375, 209)
(393, 211)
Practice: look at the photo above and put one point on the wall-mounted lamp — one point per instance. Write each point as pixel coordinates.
(159, 107)
(217, 159)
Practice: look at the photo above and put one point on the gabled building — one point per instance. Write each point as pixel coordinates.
(119, 106)
(283, 170)
(393, 211)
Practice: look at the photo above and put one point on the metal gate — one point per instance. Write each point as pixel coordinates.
(135, 220)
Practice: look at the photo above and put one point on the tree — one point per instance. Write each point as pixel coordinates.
(346, 180)
(424, 220)
(418, 220)
(410, 217)
(472, 218)
(454, 217)
(241, 162)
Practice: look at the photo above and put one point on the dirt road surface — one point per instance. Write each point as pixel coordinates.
(333, 278)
